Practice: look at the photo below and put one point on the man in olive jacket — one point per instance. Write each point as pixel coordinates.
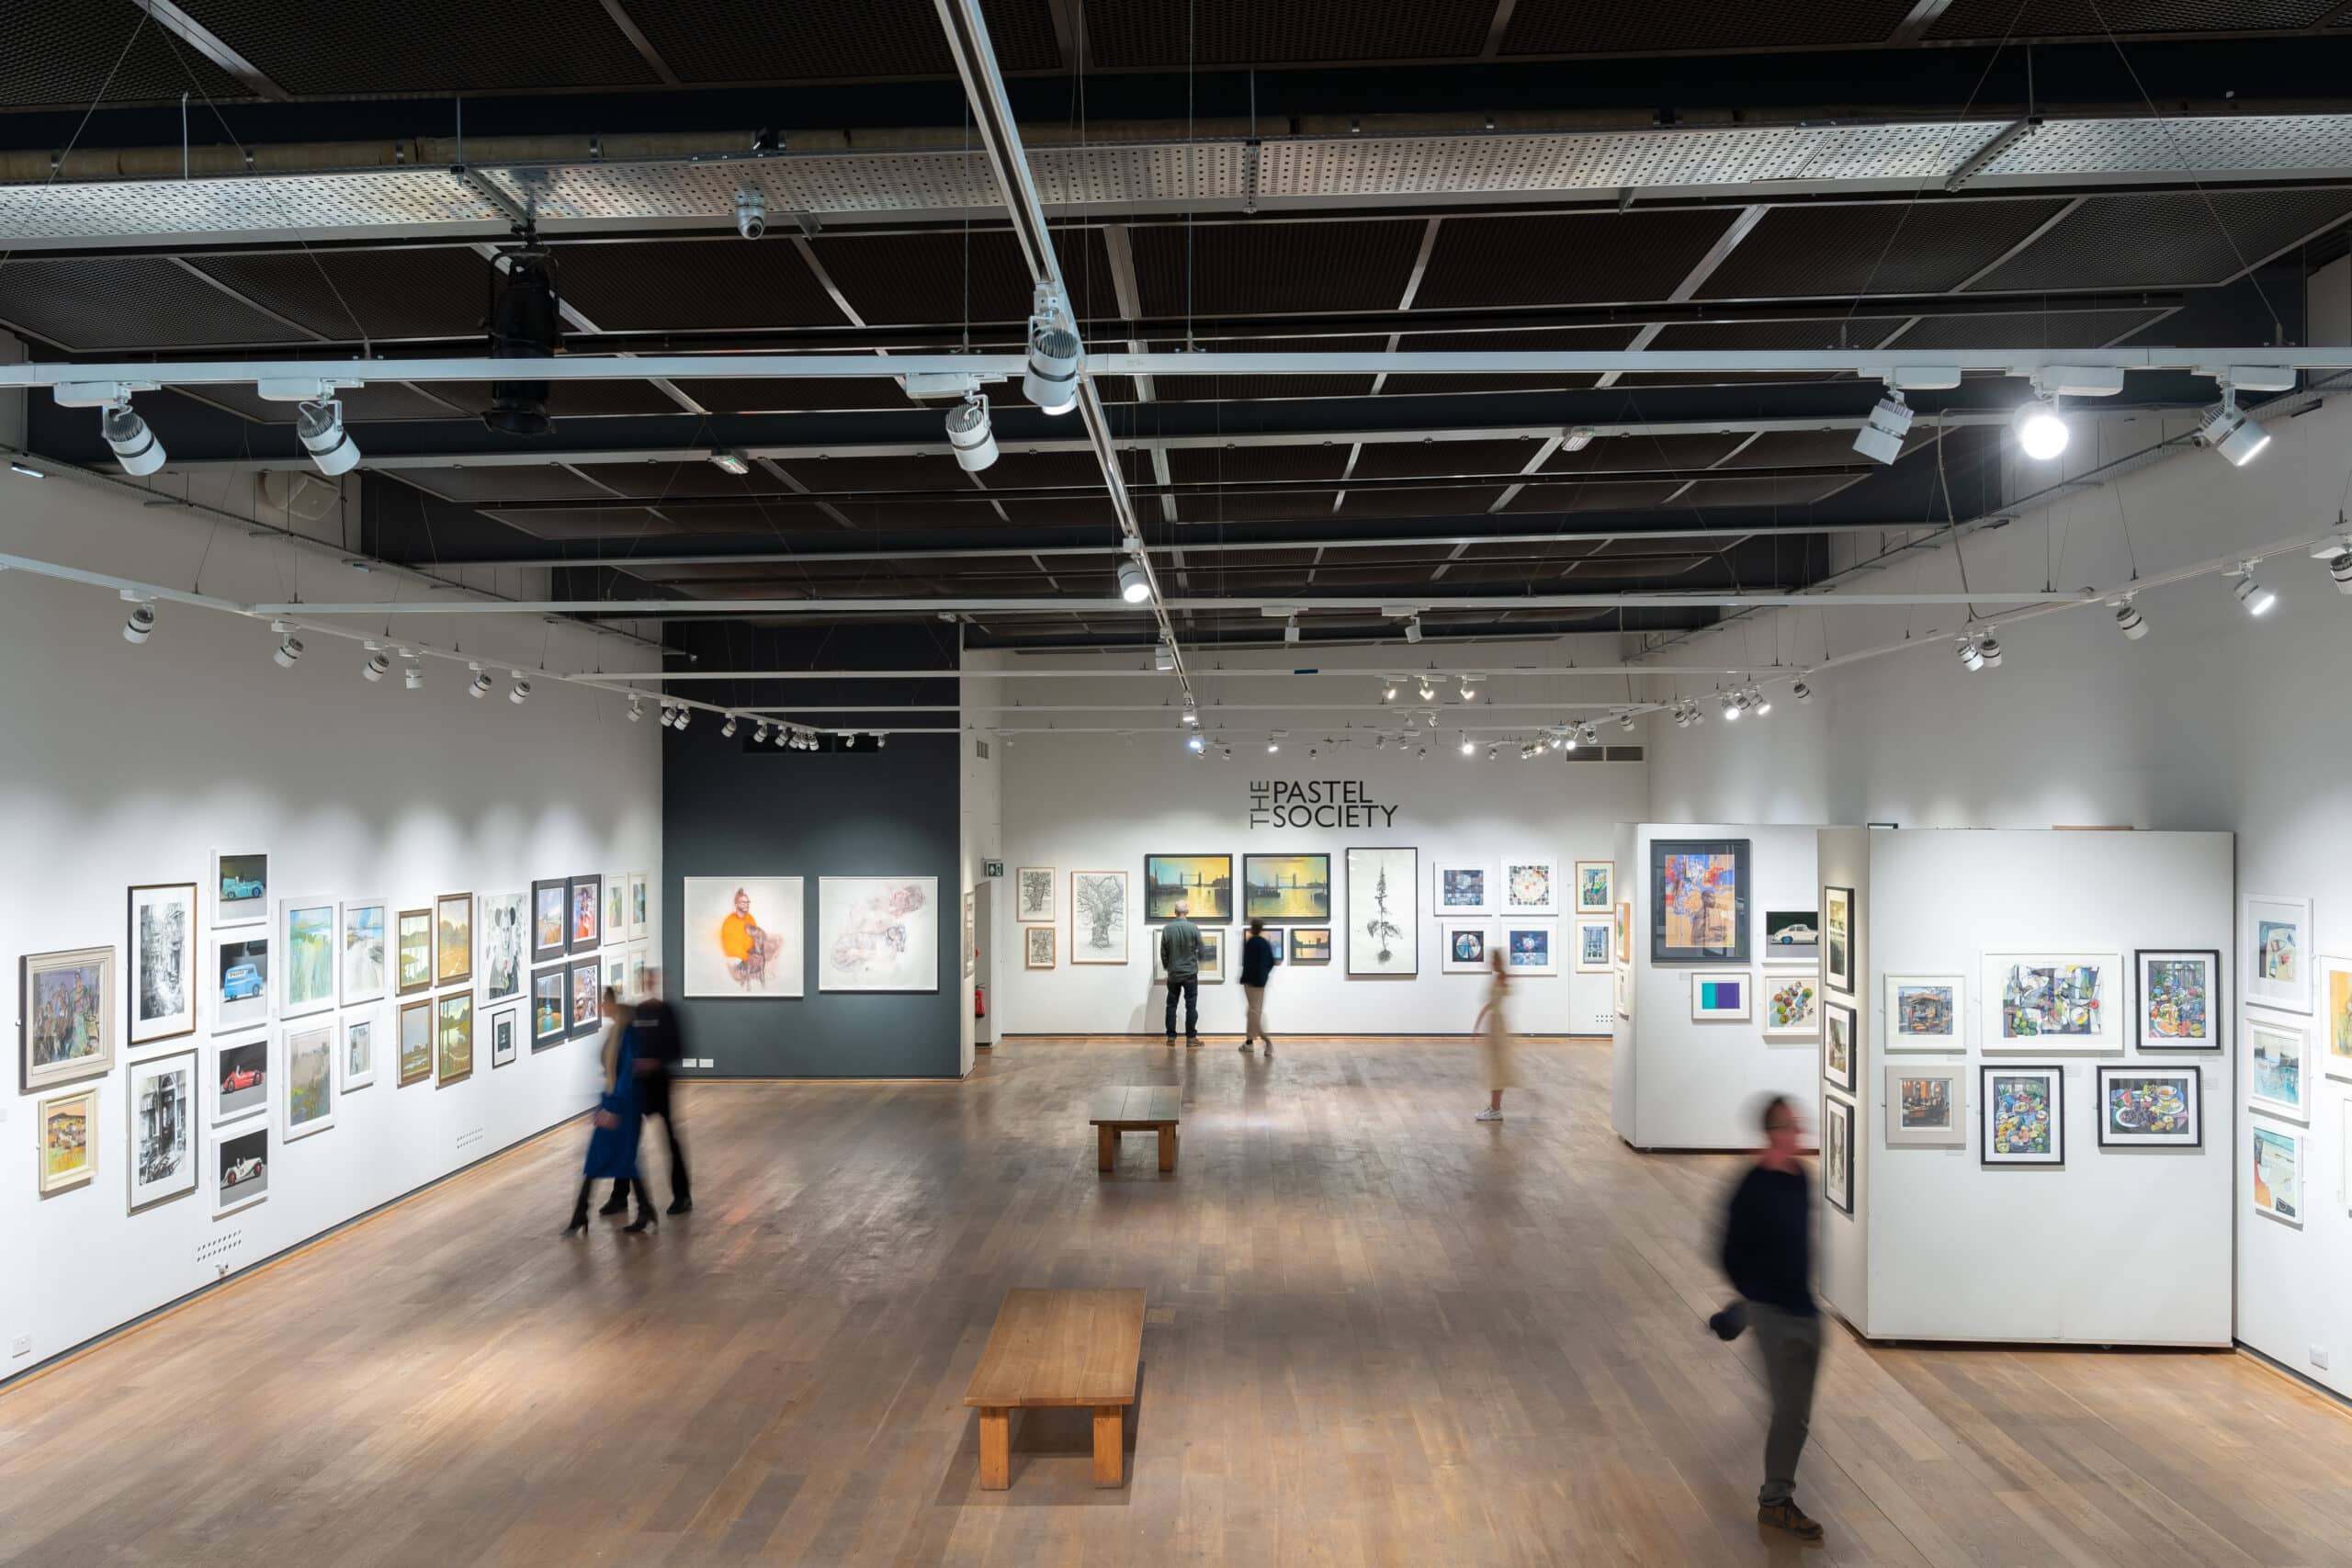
(1179, 955)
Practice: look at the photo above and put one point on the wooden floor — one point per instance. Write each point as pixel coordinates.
(1377, 1333)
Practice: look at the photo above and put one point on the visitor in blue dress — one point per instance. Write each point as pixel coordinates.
(618, 1118)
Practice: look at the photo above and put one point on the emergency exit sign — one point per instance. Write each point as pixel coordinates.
(991, 868)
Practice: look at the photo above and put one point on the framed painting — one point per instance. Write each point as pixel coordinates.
(356, 1064)
(1594, 939)
(616, 972)
(640, 905)
(2179, 1004)
(412, 951)
(1529, 886)
(1923, 1012)
(160, 1001)
(879, 934)
(1212, 957)
(2336, 1024)
(1722, 996)
(2276, 1081)
(1622, 989)
(2277, 1173)
(240, 1171)
(308, 956)
(240, 1079)
(504, 1028)
(2024, 1109)
(503, 945)
(1033, 893)
(453, 1037)
(1793, 1006)
(640, 977)
(1037, 944)
(551, 994)
(550, 918)
(2050, 1001)
(1923, 1106)
(1461, 887)
(2150, 1107)
(584, 928)
(744, 936)
(453, 939)
(1792, 936)
(65, 1131)
(1842, 1046)
(1098, 917)
(67, 1030)
(1462, 946)
(164, 1117)
(1309, 945)
(2277, 944)
(584, 1009)
(1624, 930)
(240, 894)
(1383, 912)
(1596, 886)
(1698, 900)
(970, 946)
(416, 1041)
(309, 1078)
(616, 906)
(239, 979)
(1202, 883)
(1274, 940)
(364, 938)
(1838, 1151)
(1286, 887)
(1838, 939)
(1530, 947)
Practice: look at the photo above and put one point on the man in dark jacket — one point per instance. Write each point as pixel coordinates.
(1179, 955)
(661, 1046)
(1257, 969)
(1767, 1253)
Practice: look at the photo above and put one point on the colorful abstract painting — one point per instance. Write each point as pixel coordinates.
(2150, 1107)
(2024, 1116)
(2040, 1000)
(1698, 900)
(2277, 1173)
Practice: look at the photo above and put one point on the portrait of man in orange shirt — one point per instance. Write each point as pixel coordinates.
(748, 949)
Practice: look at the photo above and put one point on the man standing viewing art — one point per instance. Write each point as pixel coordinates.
(1179, 955)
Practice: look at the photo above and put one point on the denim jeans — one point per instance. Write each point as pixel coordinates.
(1189, 988)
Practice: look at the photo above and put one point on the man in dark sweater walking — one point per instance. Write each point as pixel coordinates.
(1767, 1253)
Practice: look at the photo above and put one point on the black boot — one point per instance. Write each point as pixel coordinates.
(646, 1219)
(618, 1203)
(579, 1211)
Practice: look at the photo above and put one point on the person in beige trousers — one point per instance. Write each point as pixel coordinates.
(1493, 1028)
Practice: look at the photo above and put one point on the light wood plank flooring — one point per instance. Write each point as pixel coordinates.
(1377, 1333)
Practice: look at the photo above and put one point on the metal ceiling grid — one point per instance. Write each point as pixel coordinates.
(501, 482)
(1673, 454)
(1442, 459)
(573, 399)
(1459, 502)
(1242, 464)
(1765, 491)
(756, 41)
(1266, 267)
(64, 53)
(1615, 27)
(1564, 258)
(127, 303)
(408, 200)
(1093, 511)
(1129, 33)
(1210, 388)
(2172, 146)
(1927, 246)
(2078, 329)
(378, 401)
(740, 395)
(320, 46)
(695, 479)
(852, 475)
(2097, 18)
(1246, 505)
(689, 285)
(1807, 448)
(565, 526)
(1594, 495)
(683, 518)
(939, 512)
(1601, 339)
(412, 292)
(1016, 469)
(2163, 237)
(1826, 332)
(924, 279)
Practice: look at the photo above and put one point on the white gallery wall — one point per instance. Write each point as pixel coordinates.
(2214, 721)
(134, 764)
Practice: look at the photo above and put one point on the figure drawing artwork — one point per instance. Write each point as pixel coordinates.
(1098, 917)
(744, 936)
(2276, 939)
(308, 956)
(2179, 1000)
(1383, 911)
(163, 1118)
(240, 1083)
(2024, 1111)
(2050, 1001)
(310, 1079)
(162, 994)
(2144, 1106)
(2277, 1173)
(878, 934)
(1033, 893)
(1698, 900)
(66, 1143)
(364, 938)
(503, 945)
(1286, 887)
(1202, 883)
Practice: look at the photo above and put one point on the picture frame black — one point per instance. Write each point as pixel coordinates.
(1989, 1120)
(1837, 949)
(1212, 898)
(1662, 950)
(1839, 1141)
(575, 942)
(1398, 928)
(551, 1003)
(2215, 1011)
(2188, 1071)
(1832, 1014)
(1311, 917)
(550, 900)
(577, 1025)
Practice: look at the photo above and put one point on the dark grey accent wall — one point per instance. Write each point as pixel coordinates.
(729, 810)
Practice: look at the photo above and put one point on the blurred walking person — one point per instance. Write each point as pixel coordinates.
(661, 1045)
(612, 1144)
(1493, 1028)
(1767, 1253)
(1179, 955)
(1257, 969)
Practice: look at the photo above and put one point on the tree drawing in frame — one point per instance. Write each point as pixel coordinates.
(1032, 889)
(1383, 912)
(1098, 917)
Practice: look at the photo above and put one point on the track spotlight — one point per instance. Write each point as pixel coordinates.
(1565, 742)
(1681, 717)
(135, 447)
(142, 623)
(1272, 747)
(1494, 749)
(1802, 692)
(2232, 434)
(1741, 702)
(1054, 358)
(685, 717)
(1881, 440)
(760, 733)
(412, 676)
(1163, 658)
(1135, 583)
(1625, 721)
(1971, 657)
(2339, 568)
(1577, 438)
(2041, 433)
(970, 434)
(319, 424)
(289, 646)
(1196, 743)
(378, 665)
(1731, 706)
(1379, 742)
(1590, 736)
(1388, 689)
(1290, 632)
(2129, 622)
(1762, 703)
(479, 687)
(636, 708)
(751, 212)
(1192, 714)
(668, 716)
(1413, 629)
(2256, 599)
(881, 739)
(1465, 743)
(1469, 689)
(1990, 646)
(731, 462)
(1428, 692)
(727, 731)
(519, 692)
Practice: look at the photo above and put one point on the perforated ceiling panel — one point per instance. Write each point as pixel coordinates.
(1619, 454)
(127, 303)
(1918, 247)
(1564, 258)
(1263, 268)
(1422, 459)
(502, 481)
(424, 291)
(1450, 501)
(64, 53)
(425, 46)
(744, 40)
(2097, 18)
(1782, 491)
(1599, 495)
(1615, 27)
(1241, 465)
(2168, 238)
(693, 284)
(693, 479)
(1016, 469)
(1238, 32)
(1243, 504)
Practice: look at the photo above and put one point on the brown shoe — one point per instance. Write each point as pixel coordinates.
(1790, 1518)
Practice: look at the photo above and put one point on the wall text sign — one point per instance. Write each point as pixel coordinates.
(1323, 803)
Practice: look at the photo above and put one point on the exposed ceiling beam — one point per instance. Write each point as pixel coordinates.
(638, 41)
(205, 42)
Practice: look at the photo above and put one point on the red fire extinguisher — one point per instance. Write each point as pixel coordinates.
(980, 999)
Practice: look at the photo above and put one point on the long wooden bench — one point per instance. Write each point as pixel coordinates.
(1058, 1349)
(1138, 1109)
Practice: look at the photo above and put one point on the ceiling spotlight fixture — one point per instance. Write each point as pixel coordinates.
(1196, 743)
(881, 739)
(731, 462)
(520, 692)
(1681, 715)
(1494, 749)
(1379, 742)
(1056, 356)
(318, 423)
(1625, 721)
(1413, 629)
(1990, 646)
(1272, 747)
(289, 646)
(1428, 692)
(1465, 743)
(2229, 431)
(135, 447)
(2339, 568)
(1163, 657)
(378, 665)
(1971, 657)
(970, 434)
(412, 676)
(2127, 619)
(1577, 438)
(727, 731)
(1290, 631)
(636, 708)
(1590, 736)
(1763, 703)
(1388, 688)
(1135, 583)
(1800, 691)
(668, 716)
(1565, 740)
(1881, 440)
(1469, 689)
(751, 212)
(141, 624)
(2256, 599)
(685, 717)
(1731, 706)
(479, 687)
(760, 733)
(526, 323)
(2041, 434)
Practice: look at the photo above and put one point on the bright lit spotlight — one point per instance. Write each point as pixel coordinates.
(1272, 747)
(135, 447)
(289, 646)
(1135, 583)
(1465, 743)
(2041, 433)
(2232, 434)
(2256, 599)
(1882, 439)
(1469, 689)
(479, 687)
(519, 692)
(141, 624)
(1730, 705)
(319, 424)
(1428, 692)
(1763, 703)
(1388, 690)
(969, 434)
(1196, 743)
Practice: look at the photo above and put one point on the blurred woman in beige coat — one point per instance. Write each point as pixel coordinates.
(1493, 1028)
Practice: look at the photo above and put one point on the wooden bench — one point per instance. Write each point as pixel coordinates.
(1136, 1110)
(1058, 1349)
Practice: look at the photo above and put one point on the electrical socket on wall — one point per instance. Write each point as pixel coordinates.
(2319, 1357)
(22, 1344)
